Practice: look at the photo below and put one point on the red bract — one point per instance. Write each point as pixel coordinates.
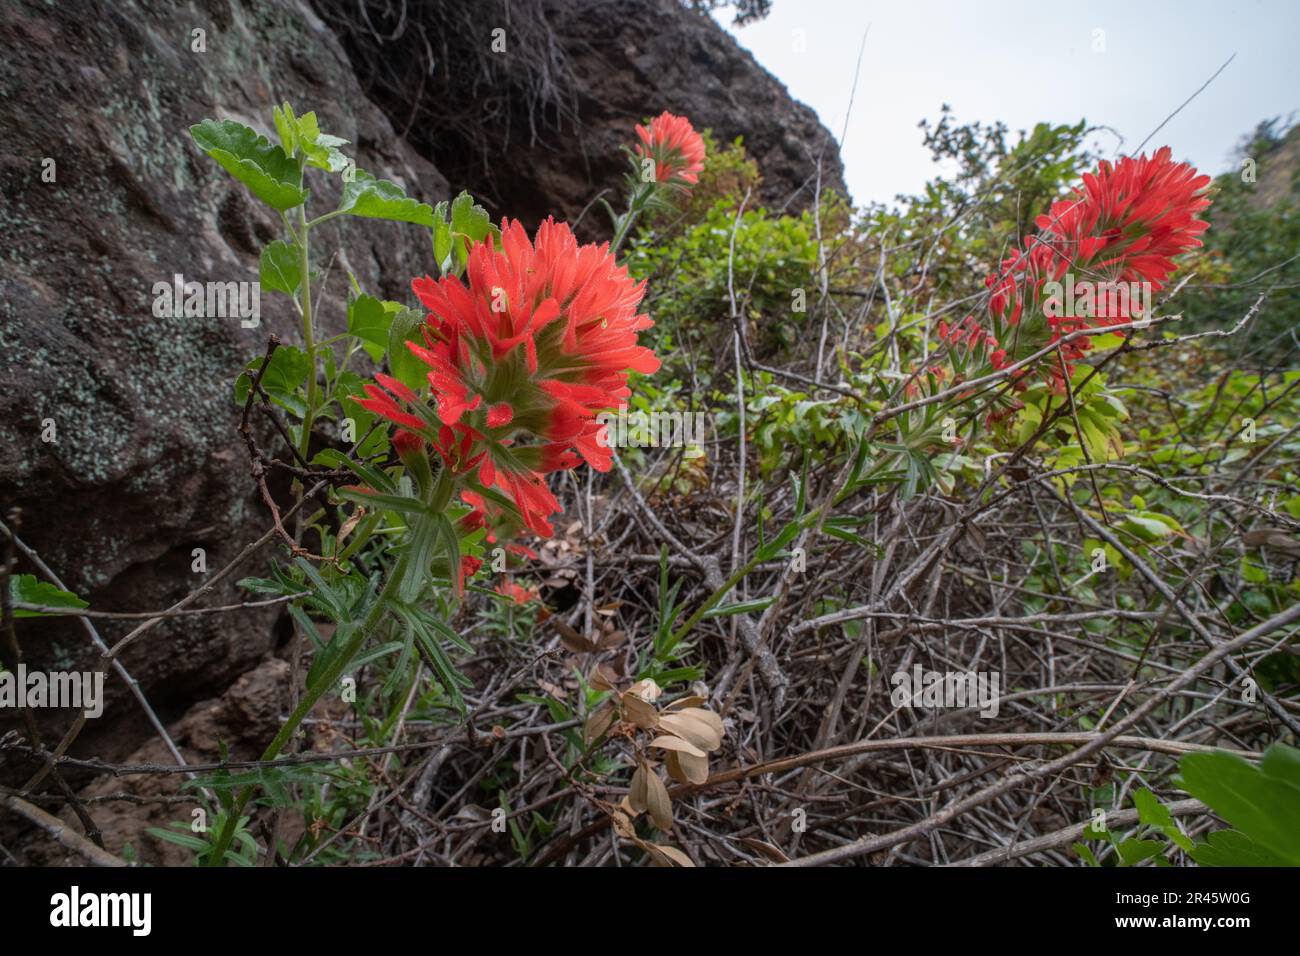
(521, 359)
(674, 146)
(516, 593)
(1122, 228)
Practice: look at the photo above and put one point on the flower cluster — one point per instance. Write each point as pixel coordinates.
(675, 148)
(1120, 231)
(521, 358)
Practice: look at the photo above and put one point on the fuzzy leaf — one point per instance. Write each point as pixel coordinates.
(254, 160)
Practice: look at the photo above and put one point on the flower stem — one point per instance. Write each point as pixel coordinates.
(328, 678)
(308, 335)
(636, 202)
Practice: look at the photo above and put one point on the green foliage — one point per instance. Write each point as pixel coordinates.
(773, 256)
(28, 589)
(1251, 246)
(265, 169)
(382, 595)
(1262, 802)
(371, 198)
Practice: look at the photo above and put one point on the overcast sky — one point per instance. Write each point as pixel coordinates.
(1024, 62)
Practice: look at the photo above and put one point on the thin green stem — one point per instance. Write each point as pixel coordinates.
(309, 336)
(325, 218)
(635, 204)
(327, 679)
(713, 600)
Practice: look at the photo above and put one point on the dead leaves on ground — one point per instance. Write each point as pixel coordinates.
(681, 734)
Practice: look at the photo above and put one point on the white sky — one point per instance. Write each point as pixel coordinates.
(1024, 62)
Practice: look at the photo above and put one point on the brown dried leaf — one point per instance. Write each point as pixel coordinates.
(611, 639)
(665, 855)
(638, 791)
(699, 732)
(571, 639)
(603, 677)
(695, 769)
(674, 768)
(559, 693)
(708, 717)
(346, 527)
(623, 825)
(639, 712)
(678, 744)
(598, 722)
(646, 689)
(773, 853)
(658, 802)
(679, 703)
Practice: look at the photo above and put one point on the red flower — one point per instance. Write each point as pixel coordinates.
(521, 360)
(1122, 228)
(516, 593)
(674, 146)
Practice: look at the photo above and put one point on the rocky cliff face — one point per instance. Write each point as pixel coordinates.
(527, 104)
(146, 465)
(104, 195)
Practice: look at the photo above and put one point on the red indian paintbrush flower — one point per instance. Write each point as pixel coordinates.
(1118, 234)
(521, 360)
(674, 146)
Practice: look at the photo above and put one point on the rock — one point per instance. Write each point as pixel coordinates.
(147, 464)
(245, 719)
(575, 77)
(105, 195)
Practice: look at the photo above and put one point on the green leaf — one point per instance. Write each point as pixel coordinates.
(1263, 802)
(743, 608)
(372, 198)
(470, 221)
(452, 238)
(398, 503)
(376, 479)
(187, 840)
(285, 374)
(1232, 848)
(302, 133)
(442, 247)
(1087, 854)
(369, 321)
(1135, 851)
(251, 158)
(327, 655)
(423, 542)
(1153, 813)
(406, 368)
(787, 534)
(280, 267)
(27, 589)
